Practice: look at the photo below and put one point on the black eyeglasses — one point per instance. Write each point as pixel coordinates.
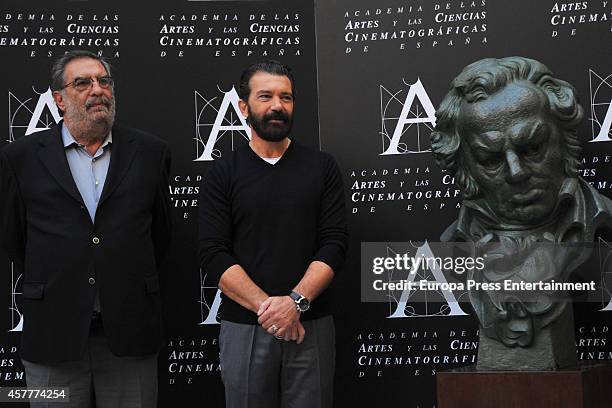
(82, 84)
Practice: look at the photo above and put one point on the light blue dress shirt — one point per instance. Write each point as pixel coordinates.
(89, 174)
(88, 171)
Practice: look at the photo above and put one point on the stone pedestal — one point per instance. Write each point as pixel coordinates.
(583, 386)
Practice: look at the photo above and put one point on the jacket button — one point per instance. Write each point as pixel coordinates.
(95, 240)
(92, 281)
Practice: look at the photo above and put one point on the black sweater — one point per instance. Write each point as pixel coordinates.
(273, 220)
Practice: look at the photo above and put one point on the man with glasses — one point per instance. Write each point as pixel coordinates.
(85, 213)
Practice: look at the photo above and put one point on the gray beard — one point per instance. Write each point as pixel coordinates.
(86, 130)
(90, 132)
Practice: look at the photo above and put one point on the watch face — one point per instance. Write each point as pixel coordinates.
(304, 304)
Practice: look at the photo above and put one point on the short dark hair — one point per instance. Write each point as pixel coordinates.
(59, 66)
(483, 78)
(269, 66)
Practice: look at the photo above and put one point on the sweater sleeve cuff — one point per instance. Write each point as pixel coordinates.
(331, 255)
(218, 265)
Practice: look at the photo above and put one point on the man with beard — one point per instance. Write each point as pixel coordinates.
(85, 214)
(273, 233)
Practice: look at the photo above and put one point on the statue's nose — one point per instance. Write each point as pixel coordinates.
(516, 171)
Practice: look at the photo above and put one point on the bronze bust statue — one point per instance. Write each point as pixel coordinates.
(507, 132)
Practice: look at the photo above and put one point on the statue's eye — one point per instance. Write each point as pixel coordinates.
(491, 162)
(532, 150)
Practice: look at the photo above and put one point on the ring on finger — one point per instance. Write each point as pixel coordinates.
(274, 328)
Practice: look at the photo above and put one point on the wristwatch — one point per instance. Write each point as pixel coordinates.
(301, 303)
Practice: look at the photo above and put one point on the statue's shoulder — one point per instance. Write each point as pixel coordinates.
(599, 211)
(600, 202)
(450, 233)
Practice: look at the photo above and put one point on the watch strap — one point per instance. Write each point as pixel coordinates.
(295, 296)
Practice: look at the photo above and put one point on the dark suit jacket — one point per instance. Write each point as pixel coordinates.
(46, 230)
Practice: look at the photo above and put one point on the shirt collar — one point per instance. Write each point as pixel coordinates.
(69, 140)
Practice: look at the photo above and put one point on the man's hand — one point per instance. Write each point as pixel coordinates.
(281, 312)
(296, 333)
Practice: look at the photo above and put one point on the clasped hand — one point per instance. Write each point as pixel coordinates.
(280, 313)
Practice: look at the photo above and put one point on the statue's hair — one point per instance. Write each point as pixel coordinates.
(483, 78)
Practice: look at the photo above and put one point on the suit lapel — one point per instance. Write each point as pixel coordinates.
(53, 155)
(123, 151)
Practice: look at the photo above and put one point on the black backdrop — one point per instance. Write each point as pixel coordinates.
(357, 64)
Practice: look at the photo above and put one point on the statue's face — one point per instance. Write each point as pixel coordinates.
(514, 150)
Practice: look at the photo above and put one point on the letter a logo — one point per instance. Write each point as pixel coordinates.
(44, 100)
(425, 252)
(601, 101)
(411, 118)
(606, 125)
(213, 311)
(227, 119)
(208, 311)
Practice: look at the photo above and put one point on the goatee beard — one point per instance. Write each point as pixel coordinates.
(272, 132)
